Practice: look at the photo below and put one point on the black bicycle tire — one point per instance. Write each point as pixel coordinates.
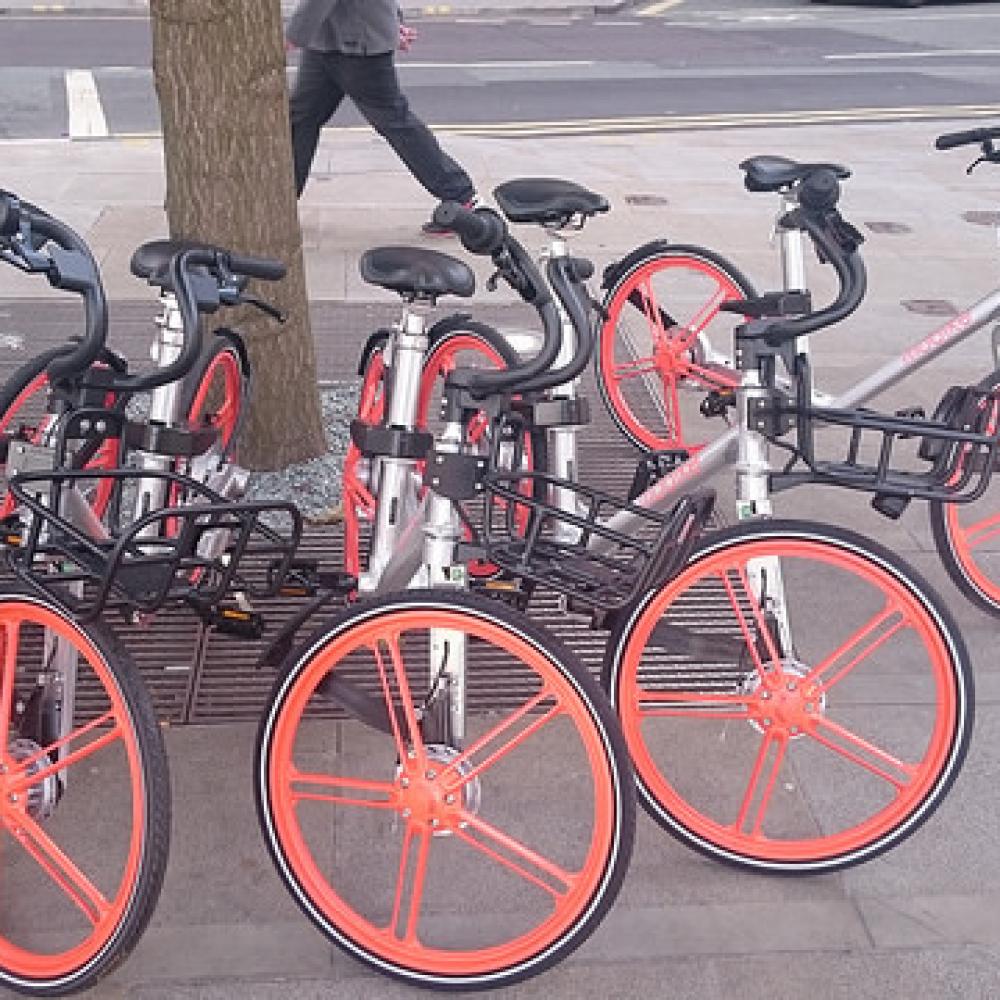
(944, 624)
(156, 779)
(599, 710)
(622, 273)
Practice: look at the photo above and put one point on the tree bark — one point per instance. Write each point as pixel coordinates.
(219, 67)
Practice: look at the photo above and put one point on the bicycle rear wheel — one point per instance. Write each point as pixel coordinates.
(792, 757)
(23, 414)
(454, 342)
(451, 866)
(967, 536)
(664, 346)
(213, 394)
(84, 805)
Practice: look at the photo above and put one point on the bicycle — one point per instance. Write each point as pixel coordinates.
(964, 535)
(210, 397)
(764, 668)
(84, 788)
(467, 884)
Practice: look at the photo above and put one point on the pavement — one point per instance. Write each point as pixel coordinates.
(922, 921)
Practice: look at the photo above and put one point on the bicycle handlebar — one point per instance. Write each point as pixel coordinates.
(566, 276)
(834, 239)
(198, 277)
(480, 230)
(483, 232)
(24, 232)
(976, 135)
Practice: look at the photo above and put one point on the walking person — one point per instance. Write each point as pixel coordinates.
(348, 50)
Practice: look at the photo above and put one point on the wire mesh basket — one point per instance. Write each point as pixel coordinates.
(950, 457)
(560, 535)
(198, 549)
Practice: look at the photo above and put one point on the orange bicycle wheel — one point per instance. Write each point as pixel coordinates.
(652, 362)
(24, 415)
(799, 750)
(84, 803)
(448, 865)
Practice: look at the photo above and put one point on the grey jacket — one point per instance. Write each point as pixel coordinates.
(354, 27)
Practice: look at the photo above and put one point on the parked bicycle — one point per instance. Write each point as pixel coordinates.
(107, 517)
(456, 795)
(652, 369)
(738, 701)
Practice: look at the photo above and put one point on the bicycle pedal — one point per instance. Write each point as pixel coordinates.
(512, 590)
(242, 624)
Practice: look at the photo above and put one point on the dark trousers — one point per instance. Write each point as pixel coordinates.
(326, 78)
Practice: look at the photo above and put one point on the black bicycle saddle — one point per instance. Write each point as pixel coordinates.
(772, 173)
(547, 200)
(416, 272)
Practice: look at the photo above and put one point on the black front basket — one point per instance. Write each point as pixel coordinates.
(196, 550)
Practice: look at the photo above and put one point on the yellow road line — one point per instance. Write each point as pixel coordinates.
(674, 123)
(655, 9)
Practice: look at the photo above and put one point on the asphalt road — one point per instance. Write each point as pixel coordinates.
(88, 75)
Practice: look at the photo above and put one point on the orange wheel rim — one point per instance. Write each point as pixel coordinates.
(104, 911)
(980, 529)
(784, 707)
(670, 362)
(38, 384)
(358, 501)
(966, 540)
(578, 887)
(226, 417)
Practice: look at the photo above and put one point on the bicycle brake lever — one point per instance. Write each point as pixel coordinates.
(265, 307)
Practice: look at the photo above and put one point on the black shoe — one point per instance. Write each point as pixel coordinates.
(432, 228)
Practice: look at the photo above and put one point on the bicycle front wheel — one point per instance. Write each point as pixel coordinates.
(664, 347)
(967, 536)
(84, 801)
(803, 749)
(449, 866)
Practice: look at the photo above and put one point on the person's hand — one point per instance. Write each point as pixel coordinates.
(407, 36)
(290, 46)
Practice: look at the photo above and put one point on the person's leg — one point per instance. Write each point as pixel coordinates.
(371, 82)
(314, 99)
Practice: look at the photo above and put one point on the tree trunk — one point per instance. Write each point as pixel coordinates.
(219, 67)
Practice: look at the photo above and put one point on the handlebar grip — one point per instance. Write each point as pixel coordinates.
(257, 267)
(481, 230)
(9, 217)
(976, 135)
(819, 191)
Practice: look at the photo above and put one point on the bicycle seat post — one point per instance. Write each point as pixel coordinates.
(163, 405)
(404, 359)
(562, 439)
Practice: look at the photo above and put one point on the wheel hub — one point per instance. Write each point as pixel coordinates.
(782, 702)
(39, 800)
(433, 799)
